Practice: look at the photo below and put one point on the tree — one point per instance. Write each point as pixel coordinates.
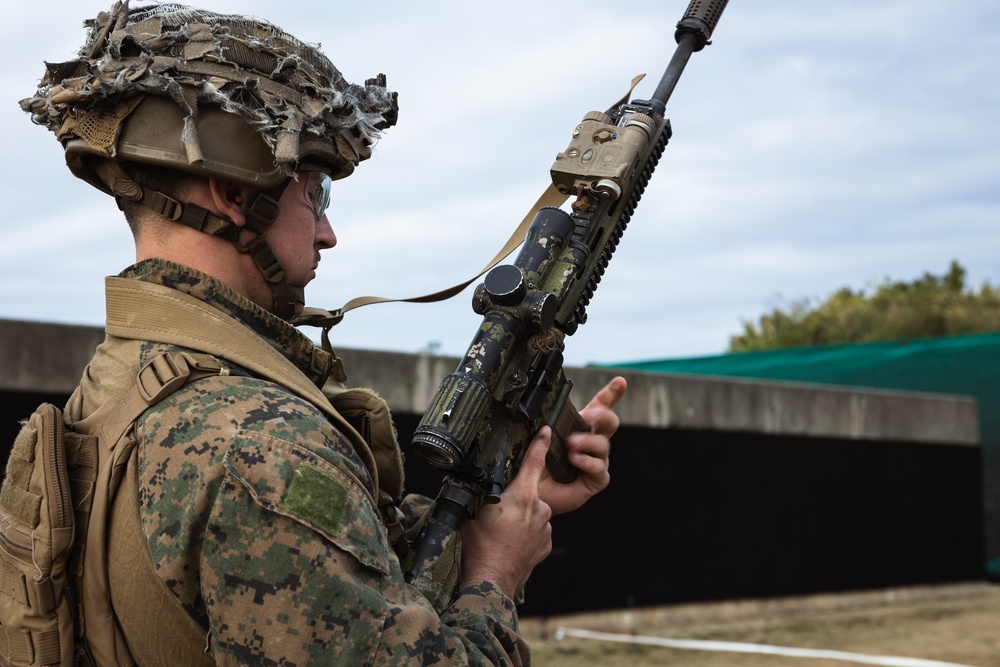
(928, 306)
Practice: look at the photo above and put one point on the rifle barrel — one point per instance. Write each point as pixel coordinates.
(694, 32)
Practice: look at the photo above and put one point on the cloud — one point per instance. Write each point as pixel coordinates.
(816, 146)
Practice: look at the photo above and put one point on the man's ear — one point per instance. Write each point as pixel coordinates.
(231, 200)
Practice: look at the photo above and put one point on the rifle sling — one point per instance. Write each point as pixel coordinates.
(325, 318)
(320, 317)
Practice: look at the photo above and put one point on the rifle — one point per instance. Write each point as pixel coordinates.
(511, 381)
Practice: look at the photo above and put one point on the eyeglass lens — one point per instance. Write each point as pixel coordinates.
(318, 186)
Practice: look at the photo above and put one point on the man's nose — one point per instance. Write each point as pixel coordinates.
(325, 238)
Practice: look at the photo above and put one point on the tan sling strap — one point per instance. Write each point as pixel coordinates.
(319, 317)
(138, 600)
(147, 311)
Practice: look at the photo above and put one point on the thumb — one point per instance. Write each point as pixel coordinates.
(608, 396)
(611, 393)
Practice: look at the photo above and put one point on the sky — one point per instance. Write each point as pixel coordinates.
(817, 145)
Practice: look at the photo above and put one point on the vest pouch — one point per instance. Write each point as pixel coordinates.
(369, 414)
(36, 539)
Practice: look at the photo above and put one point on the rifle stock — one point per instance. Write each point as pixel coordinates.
(511, 381)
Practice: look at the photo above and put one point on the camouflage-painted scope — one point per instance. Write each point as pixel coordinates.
(452, 421)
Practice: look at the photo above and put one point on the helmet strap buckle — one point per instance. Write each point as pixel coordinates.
(263, 212)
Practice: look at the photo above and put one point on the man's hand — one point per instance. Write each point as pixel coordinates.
(505, 542)
(588, 452)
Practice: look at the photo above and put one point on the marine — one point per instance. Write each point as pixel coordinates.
(269, 509)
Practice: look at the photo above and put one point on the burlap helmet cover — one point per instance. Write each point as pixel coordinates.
(214, 94)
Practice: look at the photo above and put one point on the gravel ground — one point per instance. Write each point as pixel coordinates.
(956, 624)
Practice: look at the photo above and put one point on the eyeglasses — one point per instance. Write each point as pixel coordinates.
(317, 186)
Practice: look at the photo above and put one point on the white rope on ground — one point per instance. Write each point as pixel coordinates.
(742, 647)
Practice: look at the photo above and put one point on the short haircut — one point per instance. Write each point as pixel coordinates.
(170, 182)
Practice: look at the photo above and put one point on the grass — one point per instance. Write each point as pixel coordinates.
(962, 629)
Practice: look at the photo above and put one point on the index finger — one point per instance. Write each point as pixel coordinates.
(533, 463)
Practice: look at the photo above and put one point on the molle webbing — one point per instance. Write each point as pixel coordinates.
(36, 594)
(28, 646)
(36, 542)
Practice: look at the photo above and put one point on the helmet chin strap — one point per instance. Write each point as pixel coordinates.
(263, 212)
(284, 295)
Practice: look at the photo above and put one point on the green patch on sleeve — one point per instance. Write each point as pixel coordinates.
(317, 498)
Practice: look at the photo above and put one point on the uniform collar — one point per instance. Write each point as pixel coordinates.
(314, 362)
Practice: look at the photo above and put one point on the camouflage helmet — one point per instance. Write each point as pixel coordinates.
(218, 95)
(212, 94)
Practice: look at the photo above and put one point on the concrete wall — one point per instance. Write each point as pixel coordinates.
(722, 488)
(41, 357)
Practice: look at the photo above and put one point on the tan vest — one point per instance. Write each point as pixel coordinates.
(118, 628)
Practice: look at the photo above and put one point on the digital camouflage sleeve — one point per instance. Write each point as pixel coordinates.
(258, 516)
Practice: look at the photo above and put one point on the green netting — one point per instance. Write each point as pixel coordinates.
(966, 365)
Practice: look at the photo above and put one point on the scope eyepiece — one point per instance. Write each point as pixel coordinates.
(437, 449)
